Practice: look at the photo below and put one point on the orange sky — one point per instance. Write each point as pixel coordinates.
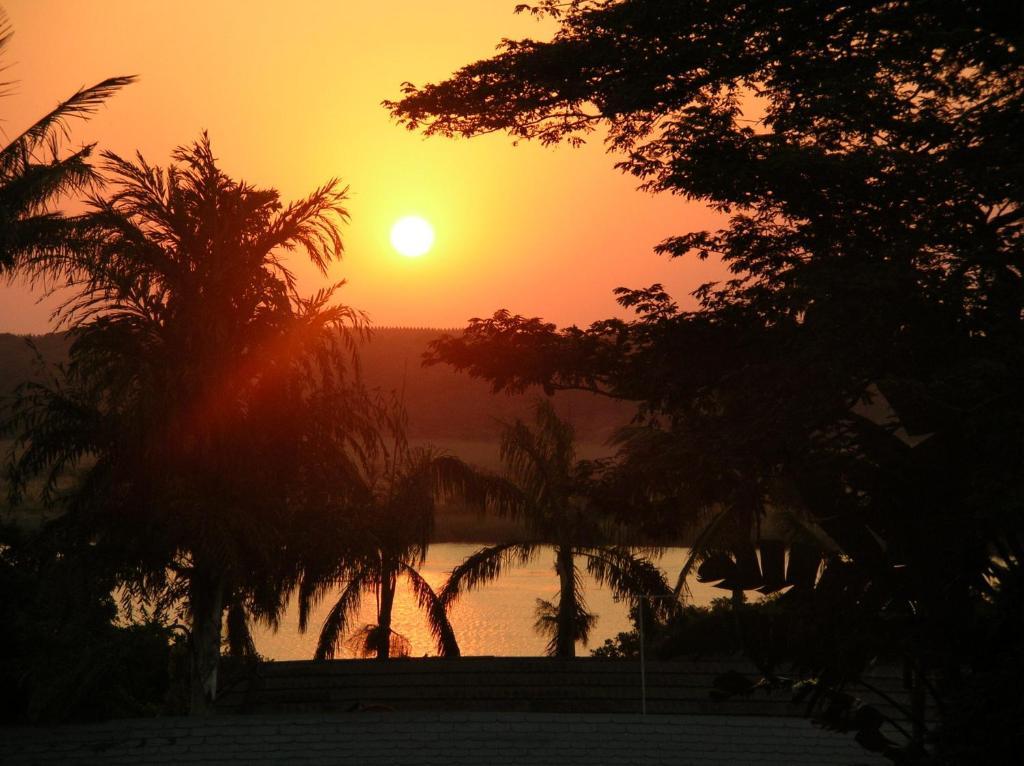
(290, 93)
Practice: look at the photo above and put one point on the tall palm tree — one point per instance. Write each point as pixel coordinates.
(34, 174)
(553, 488)
(402, 490)
(210, 407)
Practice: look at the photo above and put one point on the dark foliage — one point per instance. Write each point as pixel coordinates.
(212, 413)
(861, 369)
(401, 489)
(553, 494)
(692, 631)
(63, 657)
(35, 172)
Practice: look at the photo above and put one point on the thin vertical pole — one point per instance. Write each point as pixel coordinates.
(643, 665)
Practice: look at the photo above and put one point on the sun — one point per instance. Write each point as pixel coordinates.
(412, 236)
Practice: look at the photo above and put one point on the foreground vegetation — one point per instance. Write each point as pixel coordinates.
(839, 422)
(852, 387)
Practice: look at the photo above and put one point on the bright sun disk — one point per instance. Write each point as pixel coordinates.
(412, 236)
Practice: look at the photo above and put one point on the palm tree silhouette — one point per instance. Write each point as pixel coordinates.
(552, 493)
(402, 493)
(33, 174)
(204, 398)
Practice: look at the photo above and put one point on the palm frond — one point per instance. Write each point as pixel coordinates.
(484, 566)
(797, 528)
(31, 180)
(55, 428)
(30, 191)
(540, 461)
(707, 538)
(20, 152)
(437, 614)
(531, 466)
(6, 33)
(629, 576)
(239, 637)
(315, 583)
(337, 620)
(267, 598)
(311, 225)
(365, 641)
(454, 479)
(547, 623)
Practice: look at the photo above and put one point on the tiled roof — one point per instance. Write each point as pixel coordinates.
(477, 710)
(516, 684)
(445, 738)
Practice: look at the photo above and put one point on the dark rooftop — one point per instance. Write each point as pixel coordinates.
(447, 738)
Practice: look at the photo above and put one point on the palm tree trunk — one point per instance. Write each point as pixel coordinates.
(737, 600)
(388, 583)
(206, 594)
(567, 607)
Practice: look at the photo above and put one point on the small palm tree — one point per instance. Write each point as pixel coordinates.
(33, 174)
(401, 494)
(553, 488)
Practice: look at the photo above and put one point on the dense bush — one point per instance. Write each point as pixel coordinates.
(63, 655)
(695, 631)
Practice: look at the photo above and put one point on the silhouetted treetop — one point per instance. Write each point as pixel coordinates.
(214, 416)
(910, 109)
(632, 62)
(866, 153)
(862, 364)
(35, 171)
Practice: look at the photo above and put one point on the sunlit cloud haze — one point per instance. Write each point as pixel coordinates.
(290, 94)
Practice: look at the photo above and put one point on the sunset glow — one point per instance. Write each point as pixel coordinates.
(518, 222)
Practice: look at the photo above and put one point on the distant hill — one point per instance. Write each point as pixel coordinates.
(444, 406)
(446, 409)
(18, 361)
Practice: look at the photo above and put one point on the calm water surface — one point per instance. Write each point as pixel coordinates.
(495, 620)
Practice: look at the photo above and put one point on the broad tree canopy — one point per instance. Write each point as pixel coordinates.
(866, 155)
(864, 360)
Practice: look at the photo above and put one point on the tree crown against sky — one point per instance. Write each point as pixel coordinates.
(867, 157)
(212, 413)
(872, 129)
(862, 361)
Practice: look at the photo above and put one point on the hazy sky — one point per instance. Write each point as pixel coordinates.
(290, 93)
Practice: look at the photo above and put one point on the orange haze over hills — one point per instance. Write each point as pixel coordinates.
(290, 93)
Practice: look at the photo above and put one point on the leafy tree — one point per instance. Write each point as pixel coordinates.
(553, 490)
(866, 352)
(34, 173)
(401, 490)
(210, 409)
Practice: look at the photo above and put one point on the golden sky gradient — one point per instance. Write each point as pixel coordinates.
(290, 93)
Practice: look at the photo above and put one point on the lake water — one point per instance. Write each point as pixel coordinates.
(496, 619)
